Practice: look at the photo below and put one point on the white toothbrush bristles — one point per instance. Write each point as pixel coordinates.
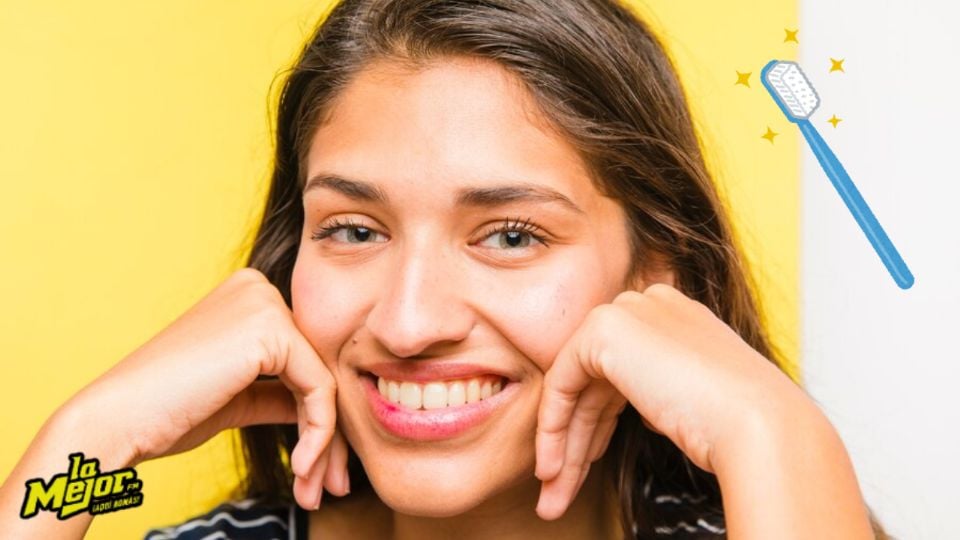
(791, 88)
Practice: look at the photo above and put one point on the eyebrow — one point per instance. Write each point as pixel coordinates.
(354, 189)
(501, 195)
(485, 197)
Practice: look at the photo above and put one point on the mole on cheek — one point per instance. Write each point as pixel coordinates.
(561, 299)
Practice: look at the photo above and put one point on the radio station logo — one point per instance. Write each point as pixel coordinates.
(83, 488)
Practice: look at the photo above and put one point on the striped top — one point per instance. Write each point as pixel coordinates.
(239, 520)
(248, 520)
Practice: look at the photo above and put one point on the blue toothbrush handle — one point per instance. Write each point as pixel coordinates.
(857, 206)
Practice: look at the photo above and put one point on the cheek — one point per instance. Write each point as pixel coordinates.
(539, 312)
(326, 307)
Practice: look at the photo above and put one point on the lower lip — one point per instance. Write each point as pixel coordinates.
(433, 424)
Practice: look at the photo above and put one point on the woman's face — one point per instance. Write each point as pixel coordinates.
(450, 243)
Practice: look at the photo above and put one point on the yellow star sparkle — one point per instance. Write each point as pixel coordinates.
(834, 120)
(769, 135)
(836, 65)
(743, 78)
(791, 35)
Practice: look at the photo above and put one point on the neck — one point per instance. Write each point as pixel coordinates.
(510, 515)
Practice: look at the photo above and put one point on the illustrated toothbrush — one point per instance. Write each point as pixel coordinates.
(795, 96)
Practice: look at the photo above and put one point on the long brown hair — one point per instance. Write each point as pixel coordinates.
(606, 84)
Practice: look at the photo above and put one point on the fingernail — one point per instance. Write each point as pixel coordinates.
(316, 505)
(346, 482)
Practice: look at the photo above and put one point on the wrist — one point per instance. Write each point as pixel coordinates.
(786, 469)
(71, 429)
(81, 426)
(778, 430)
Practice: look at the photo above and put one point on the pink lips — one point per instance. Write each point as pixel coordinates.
(423, 371)
(434, 424)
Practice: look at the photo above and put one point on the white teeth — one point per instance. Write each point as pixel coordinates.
(485, 389)
(437, 395)
(434, 395)
(456, 394)
(410, 395)
(473, 391)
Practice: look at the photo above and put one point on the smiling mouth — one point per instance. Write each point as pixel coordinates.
(437, 410)
(438, 394)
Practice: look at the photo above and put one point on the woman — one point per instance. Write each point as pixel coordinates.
(495, 291)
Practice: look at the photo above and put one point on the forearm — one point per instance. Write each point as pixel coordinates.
(788, 475)
(67, 431)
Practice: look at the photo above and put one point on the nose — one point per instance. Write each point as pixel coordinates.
(422, 304)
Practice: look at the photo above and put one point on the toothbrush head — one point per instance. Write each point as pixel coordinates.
(791, 89)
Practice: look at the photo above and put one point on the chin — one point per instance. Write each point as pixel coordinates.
(424, 504)
(435, 498)
(444, 486)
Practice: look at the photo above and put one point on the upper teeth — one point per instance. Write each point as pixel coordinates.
(437, 395)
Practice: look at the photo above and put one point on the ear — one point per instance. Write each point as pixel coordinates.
(655, 269)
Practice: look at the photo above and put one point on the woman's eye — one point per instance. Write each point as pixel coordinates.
(509, 239)
(350, 234)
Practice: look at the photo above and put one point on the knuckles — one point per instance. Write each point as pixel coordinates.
(248, 274)
(606, 316)
(661, 290)
(254, 280)
(661, 294)
(654, 291)
(248, 299)
(637, 304)
(254, 287)
(628, 297)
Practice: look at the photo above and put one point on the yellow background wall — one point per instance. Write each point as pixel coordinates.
(134, 152)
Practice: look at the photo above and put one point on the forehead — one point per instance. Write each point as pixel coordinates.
(456, 122)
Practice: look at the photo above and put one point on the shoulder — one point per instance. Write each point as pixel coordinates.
(244, 519)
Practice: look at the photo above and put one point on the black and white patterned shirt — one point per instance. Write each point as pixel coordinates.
(248, 519)
(239, 520)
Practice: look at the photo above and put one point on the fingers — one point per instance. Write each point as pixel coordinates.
(556, 410)
(554, 500)
(303, 372)
(605, 427)
(336, 478)
(329, 470)
(578, 413)
(311, 455)
(300, 368)
(307, 451)
(308, 488)
(268, 402)
(558, 492)
(561, 389)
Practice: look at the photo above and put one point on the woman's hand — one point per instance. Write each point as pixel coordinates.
(198, 377)
(693, 379)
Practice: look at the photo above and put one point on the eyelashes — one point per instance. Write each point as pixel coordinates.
(325, 231)
(519, 229)
(517, 226)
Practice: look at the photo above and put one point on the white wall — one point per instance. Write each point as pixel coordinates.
(884, 362)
